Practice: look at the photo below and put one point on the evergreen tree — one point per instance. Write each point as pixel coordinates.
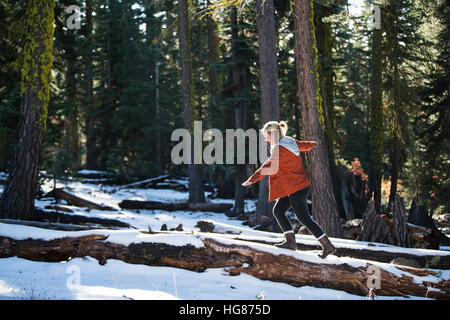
(10, 66)
(36, 27)
(404, 56)
(430, 174)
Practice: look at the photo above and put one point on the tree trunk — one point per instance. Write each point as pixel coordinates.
(396, 108)
(152, 39)
(324, 206)
(91, 139)
(196, 188)
(395, 161)
(383, 229)
(240, 81)
(270, 105)
(324, 40)
(17, 200)
(61, 194)
(158, 113)
(72, 135)
(238, 257)
(376, 120)
(213, 56)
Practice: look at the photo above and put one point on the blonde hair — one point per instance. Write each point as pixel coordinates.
(274, 125)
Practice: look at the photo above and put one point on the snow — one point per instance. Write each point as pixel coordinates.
(93, 172)
(24, 279)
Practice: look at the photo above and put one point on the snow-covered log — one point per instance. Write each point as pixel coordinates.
(61, 194)
(145, 183)
(198, 252)
(91, 222)
(345, 248)
(46, 225)
(174, 206)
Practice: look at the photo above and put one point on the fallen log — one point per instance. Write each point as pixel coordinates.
(91, 222)
(61, 194)
(174, 206)
(58, 208)
(297, 269)
(46, 225)
(339, 276)
(170, 185)
(423, 237)
(374, 253)
(145, 183)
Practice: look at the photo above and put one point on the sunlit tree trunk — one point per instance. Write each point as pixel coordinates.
(270, 105)
(376, 120)
(324, 206)
(196, 187)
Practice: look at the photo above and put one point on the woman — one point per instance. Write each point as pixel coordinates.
(289, 184)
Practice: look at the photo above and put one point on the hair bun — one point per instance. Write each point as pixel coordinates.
(283, 127)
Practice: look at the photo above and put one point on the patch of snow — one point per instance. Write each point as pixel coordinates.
(25, 279)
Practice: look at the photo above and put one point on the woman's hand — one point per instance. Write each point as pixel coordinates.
(246, 183)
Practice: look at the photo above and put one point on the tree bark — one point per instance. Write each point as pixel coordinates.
(380, 254)
(238, 257)
(324, 205)
(268, 67)
(72, 135)
(148, 183)
(383, 229)
(376, 120)
(240, 81)
(213, 56)
(196, 188)
(91, 139)
(60, 193)
(17, 200)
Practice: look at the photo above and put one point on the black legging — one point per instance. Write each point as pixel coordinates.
(298, 202)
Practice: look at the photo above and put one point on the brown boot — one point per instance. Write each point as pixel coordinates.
(289, 243)
(327, 247)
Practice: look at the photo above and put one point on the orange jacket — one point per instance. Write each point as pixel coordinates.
(285, 169)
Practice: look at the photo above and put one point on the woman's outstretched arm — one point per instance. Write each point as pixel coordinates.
(306, 145)
(270, 166)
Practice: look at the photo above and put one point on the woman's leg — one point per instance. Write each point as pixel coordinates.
(279, 211)
(300, 206)
(301, 209)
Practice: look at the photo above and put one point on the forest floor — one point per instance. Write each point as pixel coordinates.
(85, 278)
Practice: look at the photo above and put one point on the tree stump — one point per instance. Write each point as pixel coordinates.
(384, 229)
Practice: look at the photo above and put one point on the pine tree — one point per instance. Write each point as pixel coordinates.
(404, 56)
(376, 118)
(433, 125)
(268, 70)
(36, 26)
